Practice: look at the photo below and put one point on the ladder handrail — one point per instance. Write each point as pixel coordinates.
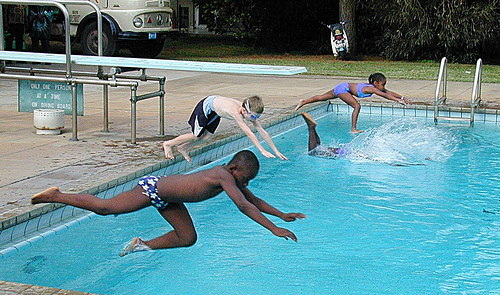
(441, 83)
(476, 90)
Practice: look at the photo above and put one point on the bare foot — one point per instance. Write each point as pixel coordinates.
(168, 151)
(136, 245)
(301, 104)
(45, 196)
(309, 120)
(354, 131)
(184, 153)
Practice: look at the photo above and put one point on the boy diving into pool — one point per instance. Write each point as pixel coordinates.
(169, 193)
(206, 117)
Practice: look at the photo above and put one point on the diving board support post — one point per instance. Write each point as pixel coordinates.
(161, 131)
(105, 108)
(134, 98)
(74, 120)
(133, 116)
(73, 82)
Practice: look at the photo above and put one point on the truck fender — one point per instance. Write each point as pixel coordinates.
(115, 28)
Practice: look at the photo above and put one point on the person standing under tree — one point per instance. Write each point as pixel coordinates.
(40, 18)
(15, 16)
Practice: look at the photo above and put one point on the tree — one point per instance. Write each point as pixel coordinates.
(461, 30)
(279, 25)
(347, 14)
(237, 16)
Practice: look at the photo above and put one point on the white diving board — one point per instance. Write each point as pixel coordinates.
(33, 57)
(161, 64)
(135, 63)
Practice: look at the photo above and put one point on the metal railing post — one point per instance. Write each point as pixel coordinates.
(162, 107)
(441, 85)
(133, 106)
(74, 121)
(476, 90)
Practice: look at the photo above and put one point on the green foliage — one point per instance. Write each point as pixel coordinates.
(430, 29)
(236, 16)
(218, 49)
(280, 25)
(461, 30)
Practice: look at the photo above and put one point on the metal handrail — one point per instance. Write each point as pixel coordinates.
(66, 25)
(441, 86)
(99, 20)
(64, 10)
(476, 90)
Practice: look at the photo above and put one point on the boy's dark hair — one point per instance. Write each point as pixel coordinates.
(246, 160)
(376, 77)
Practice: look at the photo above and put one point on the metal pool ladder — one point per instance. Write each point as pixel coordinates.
(441, 93)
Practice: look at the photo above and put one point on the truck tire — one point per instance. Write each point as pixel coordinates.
(146, 49)
(88, 40)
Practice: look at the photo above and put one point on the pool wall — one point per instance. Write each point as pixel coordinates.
(26, 229)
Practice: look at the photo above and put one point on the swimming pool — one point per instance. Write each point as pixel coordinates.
(412, 209)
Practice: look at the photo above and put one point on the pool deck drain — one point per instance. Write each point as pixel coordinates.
(31, 162)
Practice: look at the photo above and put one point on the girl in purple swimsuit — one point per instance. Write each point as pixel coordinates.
(347, 92)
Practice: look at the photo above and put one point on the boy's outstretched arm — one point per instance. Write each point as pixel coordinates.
(250, 210)
(253, 138)
(267, 138)
(263, 206)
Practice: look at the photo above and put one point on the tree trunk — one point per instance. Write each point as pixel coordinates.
(347, 15)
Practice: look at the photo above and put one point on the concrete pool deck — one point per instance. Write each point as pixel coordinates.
(31, 162)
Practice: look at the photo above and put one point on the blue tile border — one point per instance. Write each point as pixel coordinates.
(55, 217)
(481, 115)
(29, 241)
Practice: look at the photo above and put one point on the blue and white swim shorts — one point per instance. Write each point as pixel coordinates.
(148, 183)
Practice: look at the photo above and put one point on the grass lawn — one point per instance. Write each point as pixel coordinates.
(220, 50)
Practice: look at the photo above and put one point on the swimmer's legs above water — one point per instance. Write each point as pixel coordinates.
(314, 139)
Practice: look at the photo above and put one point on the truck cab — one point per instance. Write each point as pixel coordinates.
(139, 25)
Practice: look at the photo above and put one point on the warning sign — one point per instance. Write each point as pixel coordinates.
(48, 95)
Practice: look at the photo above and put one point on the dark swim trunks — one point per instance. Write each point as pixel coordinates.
(148, 183)
(204, 117)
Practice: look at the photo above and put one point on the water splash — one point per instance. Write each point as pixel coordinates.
(404, 141)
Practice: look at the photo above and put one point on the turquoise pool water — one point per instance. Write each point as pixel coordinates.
(413, 209)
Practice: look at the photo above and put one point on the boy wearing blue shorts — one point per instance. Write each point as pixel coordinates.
(206, 117)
